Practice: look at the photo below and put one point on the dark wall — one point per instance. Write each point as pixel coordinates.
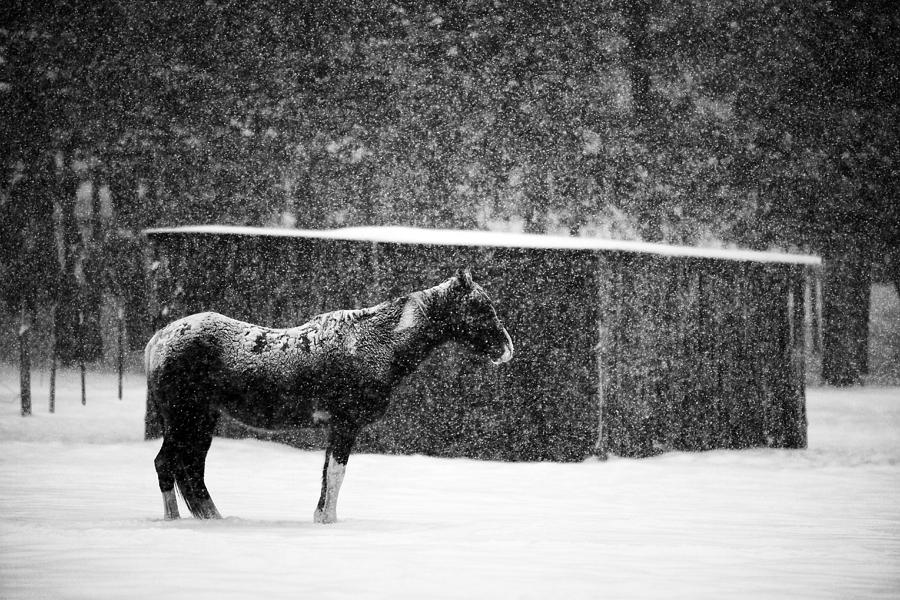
(540, 406)
(676, 353)
(699, 354)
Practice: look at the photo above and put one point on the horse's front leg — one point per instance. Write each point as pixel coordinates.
(340, 442)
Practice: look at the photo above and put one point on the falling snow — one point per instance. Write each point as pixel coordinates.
(687, 130)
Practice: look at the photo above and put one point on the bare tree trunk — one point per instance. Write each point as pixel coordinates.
(636, 13)
(120, 346)
(815, 311)
(67, 301)
(91, 292)
(52, 407)
(81, 366)
(25, 363)
(536, 201)
(846, 296)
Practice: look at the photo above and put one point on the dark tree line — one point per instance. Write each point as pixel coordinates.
(760, 122)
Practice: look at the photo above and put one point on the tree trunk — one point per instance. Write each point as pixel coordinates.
(81, 366)
(120, 345)
(845, 326)
(636, 14)
(91, 295)
(52, 407)
(25, 363)
(65, 317)
(814, 281)
(536, 201)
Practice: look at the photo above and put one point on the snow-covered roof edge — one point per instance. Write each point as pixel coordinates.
(501, 239)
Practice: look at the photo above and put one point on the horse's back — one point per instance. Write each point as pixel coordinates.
(196, 350)
(210, 348)
(261, 375)
(175, 338)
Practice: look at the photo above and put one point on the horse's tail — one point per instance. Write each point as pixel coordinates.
(153, 419)
(154, 425)
(193, 490)
(150, 351)
(184, 489)
(191, 441)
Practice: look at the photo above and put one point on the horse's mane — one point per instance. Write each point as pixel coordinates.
(405, 310)
(428, 300)
(433, 297)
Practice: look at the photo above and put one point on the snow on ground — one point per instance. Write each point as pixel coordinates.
(80, 515)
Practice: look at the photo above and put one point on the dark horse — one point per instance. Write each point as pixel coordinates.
(339, 369)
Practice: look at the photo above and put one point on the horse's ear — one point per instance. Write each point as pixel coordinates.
(464, 276)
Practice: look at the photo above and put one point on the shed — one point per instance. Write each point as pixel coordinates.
(622, 347)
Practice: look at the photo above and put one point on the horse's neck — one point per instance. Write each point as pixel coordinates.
(417, 331)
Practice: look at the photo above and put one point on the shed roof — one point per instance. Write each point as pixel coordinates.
(500, 239)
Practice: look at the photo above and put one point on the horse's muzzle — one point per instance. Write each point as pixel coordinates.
(507, 350)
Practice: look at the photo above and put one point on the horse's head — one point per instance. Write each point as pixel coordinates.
(473, 321)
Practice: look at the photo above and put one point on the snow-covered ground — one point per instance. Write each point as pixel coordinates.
(80, 515)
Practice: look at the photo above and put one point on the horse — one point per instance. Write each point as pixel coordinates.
(336, 370)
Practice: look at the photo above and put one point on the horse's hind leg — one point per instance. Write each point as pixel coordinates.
(190, 476)
(166, 466)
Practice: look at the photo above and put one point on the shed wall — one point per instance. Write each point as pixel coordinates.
(699, 354)
(616, 352)
(540, 406)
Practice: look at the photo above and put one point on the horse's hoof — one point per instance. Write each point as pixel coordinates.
(170, 506)
(320, 516)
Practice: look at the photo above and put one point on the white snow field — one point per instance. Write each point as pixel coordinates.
(80, 515)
